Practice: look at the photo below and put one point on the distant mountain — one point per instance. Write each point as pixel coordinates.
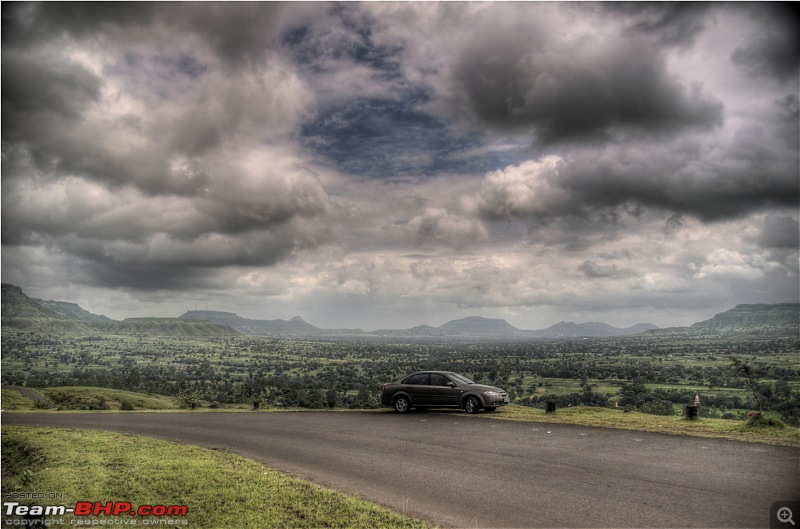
(73, 311)
(498, 328)
(756, 318)
(15, 304)
(25, 313)
(477, 326)
(22, 312)
(595, 329)
(297, 326)
(472, 326)
(165, 327)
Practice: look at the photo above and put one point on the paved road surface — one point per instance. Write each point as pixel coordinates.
(461, 471)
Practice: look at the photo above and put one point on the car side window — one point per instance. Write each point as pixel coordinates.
(438, 380)
(421, 379)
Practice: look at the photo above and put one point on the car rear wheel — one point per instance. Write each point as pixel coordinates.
(402, 404)
(471, 405)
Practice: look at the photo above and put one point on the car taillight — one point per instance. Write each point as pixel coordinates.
(384, 387)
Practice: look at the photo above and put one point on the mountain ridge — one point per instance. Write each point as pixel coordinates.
(22, 312)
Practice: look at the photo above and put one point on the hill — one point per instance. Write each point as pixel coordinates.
(756, 318)
(22, 312)
(596, 329)
(476, 326)
(30, 314)
(764, 320)
(296, 326)
(165, 327)
(73, 311)
(472, 326)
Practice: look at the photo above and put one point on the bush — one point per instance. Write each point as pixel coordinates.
(81, 401)
(757, 420)
(791, 416)
(126, 405)
(658, 407)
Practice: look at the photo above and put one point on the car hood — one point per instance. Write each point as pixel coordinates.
(482, 387)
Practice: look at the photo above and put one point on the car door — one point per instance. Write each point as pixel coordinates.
(442, 391)
(418, 389)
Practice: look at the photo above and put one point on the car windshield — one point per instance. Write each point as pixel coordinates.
(460, 379)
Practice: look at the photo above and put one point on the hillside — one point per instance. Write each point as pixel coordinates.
(294, 327)
(22, 312)
(15, 304)
(570, 329)
(73, 311)
(757, 318)
(165, 327)
(30, 314)
(472, 326)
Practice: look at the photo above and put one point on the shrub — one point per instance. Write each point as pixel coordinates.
(757, 420)
(658, 407)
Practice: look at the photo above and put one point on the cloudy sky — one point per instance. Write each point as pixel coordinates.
(386, 165)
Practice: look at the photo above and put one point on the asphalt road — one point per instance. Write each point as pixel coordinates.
(461, 471)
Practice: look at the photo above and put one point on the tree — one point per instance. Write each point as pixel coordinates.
(751, 375)
(188, 398)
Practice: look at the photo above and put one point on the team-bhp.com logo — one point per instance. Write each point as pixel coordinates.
(149, 514)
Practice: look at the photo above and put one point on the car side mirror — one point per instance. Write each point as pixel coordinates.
(451, 384)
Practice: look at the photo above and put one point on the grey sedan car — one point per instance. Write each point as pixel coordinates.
(441, 389)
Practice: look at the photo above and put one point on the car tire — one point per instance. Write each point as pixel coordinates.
(472, 405)
(402, 404)
(490, 408)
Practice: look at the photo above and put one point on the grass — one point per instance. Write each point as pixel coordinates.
(87, 398)
(82, 397)
(220, 489)
(14, 400)
(609, 418)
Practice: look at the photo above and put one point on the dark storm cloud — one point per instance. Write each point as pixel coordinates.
(181, 101)
(788, 123)
(239, 32)
(596, 271)
(35, 85)
(671, 23)
(29, 23)
(751, 173)
(779, 232)
(773, 50)
(149, 141)
(744, 180)
(578, 90)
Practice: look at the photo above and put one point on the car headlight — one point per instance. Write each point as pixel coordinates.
(491, 393)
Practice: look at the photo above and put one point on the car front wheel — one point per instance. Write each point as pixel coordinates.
(402, 405)
(471, 405)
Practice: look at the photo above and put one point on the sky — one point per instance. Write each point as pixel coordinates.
(383, 165)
